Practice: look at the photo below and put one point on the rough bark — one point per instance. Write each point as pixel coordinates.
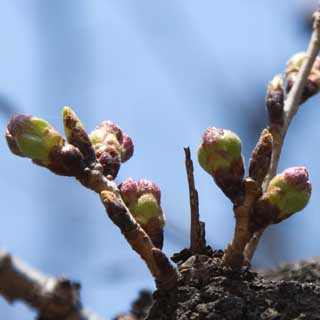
(207, 290)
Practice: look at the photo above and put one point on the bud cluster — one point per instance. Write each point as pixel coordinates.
(313, 83)
(35, 138)
(112, 147)
(142, 197)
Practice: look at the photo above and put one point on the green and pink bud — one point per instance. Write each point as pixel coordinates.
(275, 100)
(287, 193)
(312, 86)
(34, 138)
(112, 147)
(77, 135)
(219, 154)
(142, 197)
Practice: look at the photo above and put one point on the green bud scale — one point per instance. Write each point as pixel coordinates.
(32, 137)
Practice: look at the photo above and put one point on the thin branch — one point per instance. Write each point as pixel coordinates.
(158, 263)
(53, 298)
(197, 227)
(293, 100)
(234, 254)
(291, 107)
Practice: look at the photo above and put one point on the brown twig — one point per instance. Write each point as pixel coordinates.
(53, 298)
(159, 265)
(197, 227)
(234, 254)
(291, 107)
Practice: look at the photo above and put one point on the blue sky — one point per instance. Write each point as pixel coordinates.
(164, 71)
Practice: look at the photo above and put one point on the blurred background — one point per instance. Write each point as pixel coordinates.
(164, 71)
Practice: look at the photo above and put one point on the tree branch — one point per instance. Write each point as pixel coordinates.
(291, 107)
(53, 298)
(158, 263)
(234, 254)
(197, 227)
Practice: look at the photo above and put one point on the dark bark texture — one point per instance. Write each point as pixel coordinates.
(207, 290)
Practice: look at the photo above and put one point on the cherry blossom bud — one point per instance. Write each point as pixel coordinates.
(287, 193)
(143, 200)
(219, 154)
(32, 137)
(112, 147)
(312, 86)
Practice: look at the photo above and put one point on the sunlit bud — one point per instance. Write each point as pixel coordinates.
(108, 132)
(261, 157)
(34, 138)
(31, 137)
(77, 135)
(275, 100)
(112, 146)
(295, 62)
(219, 154)
(143, 200)
(312, 86)
(287, 193)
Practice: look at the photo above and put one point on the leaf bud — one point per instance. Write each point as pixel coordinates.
(275, 100)
(261, 157)
(77, 135)
(219, 154)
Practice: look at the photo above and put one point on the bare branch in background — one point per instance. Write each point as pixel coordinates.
(291, 107)
(52, 297)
